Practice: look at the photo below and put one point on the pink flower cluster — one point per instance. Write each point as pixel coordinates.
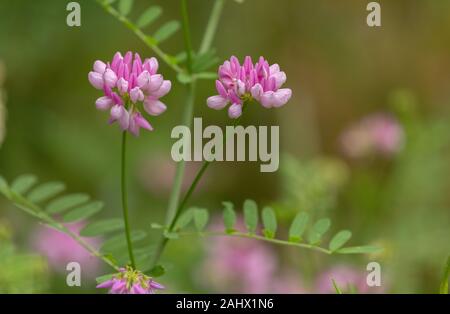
(240, 83)
(129, 281)
(378, 133)
(127, 81)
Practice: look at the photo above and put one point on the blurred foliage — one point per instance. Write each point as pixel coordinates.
(20, 272)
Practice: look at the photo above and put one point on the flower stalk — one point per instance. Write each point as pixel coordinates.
(125, 199)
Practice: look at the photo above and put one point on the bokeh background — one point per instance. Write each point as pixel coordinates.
(350, 83)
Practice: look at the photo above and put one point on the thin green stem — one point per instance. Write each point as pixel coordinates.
(176, 190)
(149, 42)
(212, 26)
(258, 237)
(125, 199)
(187, 35)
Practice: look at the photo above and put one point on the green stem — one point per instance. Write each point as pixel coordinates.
(176, 190)
(150, 42)
(125, 199)
(212, 26)
(261, 238)
(186, 35)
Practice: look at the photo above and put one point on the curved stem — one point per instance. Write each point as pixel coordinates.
(125, 199)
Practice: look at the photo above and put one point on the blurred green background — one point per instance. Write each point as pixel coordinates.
(339, 69)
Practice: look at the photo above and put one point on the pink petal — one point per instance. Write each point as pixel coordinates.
(235, 111)
(110, 78)
(136, 95)
(163, 89)
(96, 79)
(122, 85)
(221, 89)
(155, 82)
(107, 284)
(104, 103)
(281, 97)
(257, 91)
(154, 107)
(280, 79)
(216, 102)
(99, 66)
(143, 79)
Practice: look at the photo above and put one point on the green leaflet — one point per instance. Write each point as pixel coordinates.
(149, 16)
(269, 222)
(166, 31)
(229, 216)
(339, 240)
(367, 249)
(119, 241)
(83, 212)
(102, 227)
(184, 219)
(23, 183)
(45, 191)
(298, 227)
(125, 7)
(66, 202)
(251, 215)
(201, 217)
(318, 230)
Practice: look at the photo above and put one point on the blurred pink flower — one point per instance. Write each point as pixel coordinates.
(239, 83)
(126, 82)
(236, 265)
(60, 249)
(346, 278)
(129, 281)
(241, 265)
(378, 133)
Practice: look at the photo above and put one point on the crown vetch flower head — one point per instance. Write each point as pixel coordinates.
(129, 281)
(126, 83)
(240, 83)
